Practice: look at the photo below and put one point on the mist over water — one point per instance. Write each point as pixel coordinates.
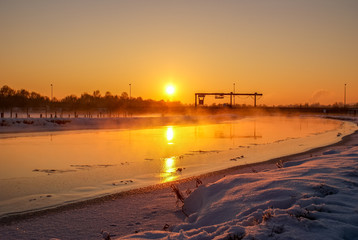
(53, 168)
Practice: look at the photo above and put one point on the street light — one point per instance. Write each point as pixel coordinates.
(51, 92)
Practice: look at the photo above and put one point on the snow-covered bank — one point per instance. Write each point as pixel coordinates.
(309, 198)
(24, 125)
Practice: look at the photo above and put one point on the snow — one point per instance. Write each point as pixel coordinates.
(330, 152)
(313, 196)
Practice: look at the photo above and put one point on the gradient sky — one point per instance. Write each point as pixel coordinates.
(291, 51)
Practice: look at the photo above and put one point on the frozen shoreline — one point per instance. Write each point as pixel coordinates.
(151, 208)
(33, 125)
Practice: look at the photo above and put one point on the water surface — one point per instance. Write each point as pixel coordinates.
(41, 170)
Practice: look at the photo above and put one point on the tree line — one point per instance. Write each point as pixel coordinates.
(107, 103)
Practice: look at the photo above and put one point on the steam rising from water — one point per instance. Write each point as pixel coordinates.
(77, 165)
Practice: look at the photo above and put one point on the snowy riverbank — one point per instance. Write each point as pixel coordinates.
(23, 125)
(308, 198)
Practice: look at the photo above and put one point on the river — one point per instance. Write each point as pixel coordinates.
(49, 169)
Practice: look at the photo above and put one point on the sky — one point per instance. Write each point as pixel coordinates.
(293, 52)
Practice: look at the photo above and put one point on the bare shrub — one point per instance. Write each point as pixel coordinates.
(198, 182)
(178, 194)
(267, 215)
(166, 227)
(279, 164)
(105, 235)
(188, 192)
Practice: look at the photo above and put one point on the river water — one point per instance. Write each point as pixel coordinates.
(42, 170)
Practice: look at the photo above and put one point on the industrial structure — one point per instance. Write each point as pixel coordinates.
(199, 97)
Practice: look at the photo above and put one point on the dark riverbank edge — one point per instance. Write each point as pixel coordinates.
(40, 125)
(206, 178)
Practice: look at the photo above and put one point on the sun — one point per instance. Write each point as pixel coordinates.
(170, 90)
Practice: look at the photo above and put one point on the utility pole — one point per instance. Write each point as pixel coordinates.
(345, 86)
(51, 92)
(234, 93)
(255, 94)
(130, 91)
(231, 99)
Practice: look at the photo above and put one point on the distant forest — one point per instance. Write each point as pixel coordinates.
(24, 100)
(12, 100)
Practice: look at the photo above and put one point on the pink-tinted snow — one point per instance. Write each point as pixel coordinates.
(309, 198)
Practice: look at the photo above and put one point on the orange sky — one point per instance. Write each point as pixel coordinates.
(291, 51)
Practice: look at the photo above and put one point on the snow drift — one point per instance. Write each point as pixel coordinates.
(314, 198)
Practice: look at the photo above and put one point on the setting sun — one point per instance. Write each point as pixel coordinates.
(170, 89)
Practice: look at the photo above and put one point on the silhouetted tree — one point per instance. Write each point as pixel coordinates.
(124, 96)
(7, 95)
(23, 99)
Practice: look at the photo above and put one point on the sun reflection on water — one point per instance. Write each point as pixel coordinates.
(170, 134)
(168, 170)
